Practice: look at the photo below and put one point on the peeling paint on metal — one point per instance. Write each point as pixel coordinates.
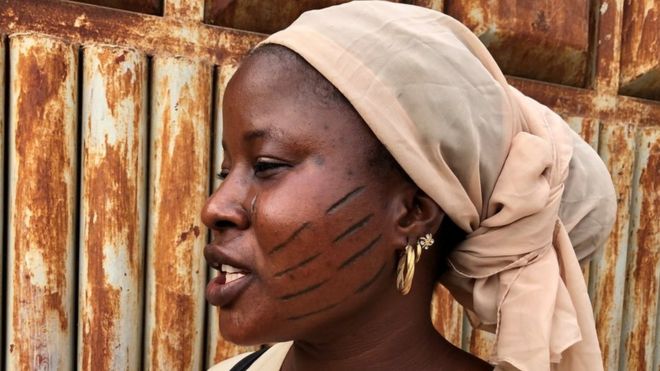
(3, 171)
(185, 9)
(113, 204)
(617, 145)
(42, 188)
(588, 129)
(517, 32)
(478, 342)
(640, 49)
(643, 268)
(608, 49)
(154, 7)
(447, 315)
(176, 272)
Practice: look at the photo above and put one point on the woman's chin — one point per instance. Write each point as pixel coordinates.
(244, 332)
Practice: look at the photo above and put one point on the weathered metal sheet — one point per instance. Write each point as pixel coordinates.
(588, 129)
(643, 267)
(218, 348)
(185, 9)
(478, 342)
(179, 185)
(517, 32)
(640, 49)
(159, 36)
(3, 171)
(154, 7)
(606, 285)
(447, 315)
(274, 15)
(112, 215)
(607, 48)
(42, 191)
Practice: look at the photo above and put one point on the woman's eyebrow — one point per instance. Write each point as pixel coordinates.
(269, 133)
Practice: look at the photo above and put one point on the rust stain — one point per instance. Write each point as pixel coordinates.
(43, 158)
(447, 315)
(193, 229)
(482, 344)
(154, 7)
(178, 200)
(517, 32)
(640, 47)
(643, 279)
(616, 141)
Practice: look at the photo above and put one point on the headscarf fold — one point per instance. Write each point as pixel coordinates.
(503, 167)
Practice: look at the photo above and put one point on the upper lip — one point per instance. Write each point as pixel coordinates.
(217, 255)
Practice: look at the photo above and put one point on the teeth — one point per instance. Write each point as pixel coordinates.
(229, 269)
(229, 277)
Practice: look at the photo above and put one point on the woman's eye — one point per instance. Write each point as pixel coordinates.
(222, 175)
(264, 169)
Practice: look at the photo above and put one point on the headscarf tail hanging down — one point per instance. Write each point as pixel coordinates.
(503, 167)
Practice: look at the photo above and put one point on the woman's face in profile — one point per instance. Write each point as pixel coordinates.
(301, 223)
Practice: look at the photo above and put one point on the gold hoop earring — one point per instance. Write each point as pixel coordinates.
(406, 266)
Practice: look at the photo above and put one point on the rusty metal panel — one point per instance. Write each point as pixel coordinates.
(185, 9)
(607, 48)
(520, 34)
(112, 216)
(447, 315)
(3, 171)
(478, 342)
(274, 15)
(219, 349)
(179, 185)
(141, 6)
(588, 129)
(606, 284)
(42, 191)
(640, 49)
(643, 267)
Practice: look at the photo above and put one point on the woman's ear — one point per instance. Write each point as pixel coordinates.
(418, 214)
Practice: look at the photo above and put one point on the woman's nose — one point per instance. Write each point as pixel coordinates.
(225, 208)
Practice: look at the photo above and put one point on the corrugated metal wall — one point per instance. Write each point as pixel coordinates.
(111, 124)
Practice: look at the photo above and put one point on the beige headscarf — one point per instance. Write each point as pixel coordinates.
(503, 167)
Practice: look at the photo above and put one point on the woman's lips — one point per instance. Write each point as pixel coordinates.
(226, 287)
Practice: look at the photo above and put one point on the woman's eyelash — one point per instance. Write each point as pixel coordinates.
(262, 166)
(222, 175)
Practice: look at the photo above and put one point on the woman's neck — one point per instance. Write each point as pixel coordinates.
(394, 334)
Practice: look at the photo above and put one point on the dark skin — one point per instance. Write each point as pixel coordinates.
(319, 228)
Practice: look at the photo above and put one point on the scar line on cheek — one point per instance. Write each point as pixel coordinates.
(353, 228)
(365, 285)
(297, 265)
(343, 200)
(291, 238)
(359, 253)
(293, 318)
(303, 291)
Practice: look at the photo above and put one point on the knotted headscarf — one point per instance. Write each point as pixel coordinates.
(503, 167)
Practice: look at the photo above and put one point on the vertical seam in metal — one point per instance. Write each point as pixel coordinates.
(214, 111)
(634, 187)
(592, 49)
(147, 208)
(4, 312)
(77, 204)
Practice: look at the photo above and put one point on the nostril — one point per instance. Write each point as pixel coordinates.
(224, 224)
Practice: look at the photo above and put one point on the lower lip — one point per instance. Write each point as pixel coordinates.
(221, 294)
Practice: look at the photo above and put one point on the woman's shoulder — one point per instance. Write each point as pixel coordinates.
(270, 359)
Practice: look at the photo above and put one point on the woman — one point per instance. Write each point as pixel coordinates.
(371, 149)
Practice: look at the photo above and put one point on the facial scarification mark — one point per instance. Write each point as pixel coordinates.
(304, 315)
(344, 199)
(303, 291)
(297, 265)
(373, 279)
(353, 228)
(359, 253)
(291, 238)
